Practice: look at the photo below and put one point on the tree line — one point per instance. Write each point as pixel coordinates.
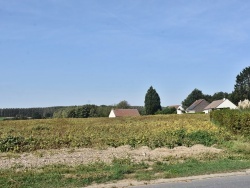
(24, 113)
(81, 111)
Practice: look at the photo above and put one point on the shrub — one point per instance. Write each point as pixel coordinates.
(236, 121)
(11, 143)
(202, 137)
(244, 104)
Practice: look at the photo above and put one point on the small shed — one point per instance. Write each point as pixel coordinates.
(220, 104)
(123, 113)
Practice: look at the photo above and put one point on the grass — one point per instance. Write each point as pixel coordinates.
(83, 175)
(66, 176)
(194, 167)
(239, 146)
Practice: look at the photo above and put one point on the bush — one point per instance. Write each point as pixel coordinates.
(236, 121)
(11, 143)
(18, 144)
(202, 137)
(167, 110)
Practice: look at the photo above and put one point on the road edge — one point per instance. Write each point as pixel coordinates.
(131, 183)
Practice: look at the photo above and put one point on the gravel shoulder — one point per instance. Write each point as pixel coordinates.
(88, 155)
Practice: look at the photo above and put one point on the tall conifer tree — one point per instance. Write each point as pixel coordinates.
(242, 86)
(152, 101)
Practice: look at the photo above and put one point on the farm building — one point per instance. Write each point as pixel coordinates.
(219, 104)
(123, 113)
(197, 106)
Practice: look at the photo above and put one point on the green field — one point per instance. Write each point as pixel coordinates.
(153, 131)
(17, 136)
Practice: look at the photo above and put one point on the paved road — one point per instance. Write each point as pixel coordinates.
(242, 181)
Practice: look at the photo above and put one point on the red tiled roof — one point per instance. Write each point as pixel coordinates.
(126, 112)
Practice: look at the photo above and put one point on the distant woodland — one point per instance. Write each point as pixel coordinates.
(83, 111)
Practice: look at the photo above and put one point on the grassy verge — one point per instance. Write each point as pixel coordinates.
(83, 175)
(67, 176)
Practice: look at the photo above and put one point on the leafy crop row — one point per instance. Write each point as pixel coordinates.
(153, 131)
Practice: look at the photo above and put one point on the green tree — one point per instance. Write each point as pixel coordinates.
(193, 96)
(70, 112)
(242, 86)
(208, 98)
(123, 105)
(103, 110)
(152, 101)
(36, 115)
(220, 95)
(167, 110)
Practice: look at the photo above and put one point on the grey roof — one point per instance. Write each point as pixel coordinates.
(198, 105)
(214, 104)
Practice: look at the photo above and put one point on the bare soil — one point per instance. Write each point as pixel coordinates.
(87, 155)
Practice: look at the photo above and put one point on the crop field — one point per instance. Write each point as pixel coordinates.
(152, 131)
(21, 141)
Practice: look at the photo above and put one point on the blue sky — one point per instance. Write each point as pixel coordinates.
(63, 52)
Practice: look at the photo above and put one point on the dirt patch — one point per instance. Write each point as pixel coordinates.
(87, 155)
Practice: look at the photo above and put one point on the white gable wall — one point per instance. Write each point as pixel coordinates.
(227, 104)
(180, 110)
(112, 114)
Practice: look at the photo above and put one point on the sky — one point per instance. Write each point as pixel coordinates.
(63, 52)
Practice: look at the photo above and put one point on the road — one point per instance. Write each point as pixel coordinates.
(238, 180)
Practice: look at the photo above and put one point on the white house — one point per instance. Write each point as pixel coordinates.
(178, 108)
(123, 113)
(219, 104)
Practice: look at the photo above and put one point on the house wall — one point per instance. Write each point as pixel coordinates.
(112, 114)
(207, 111)
(179, 110)
(190, 112)
(227, 104)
